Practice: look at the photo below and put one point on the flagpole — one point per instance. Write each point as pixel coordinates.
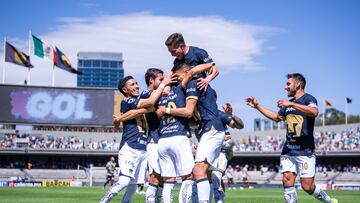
(53, 76)
(3, 75)
(323, 116)
(346, 111)
(28, 75)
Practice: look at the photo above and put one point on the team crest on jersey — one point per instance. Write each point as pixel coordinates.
(130, 100)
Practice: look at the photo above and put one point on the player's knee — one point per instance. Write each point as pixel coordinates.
(307, 188)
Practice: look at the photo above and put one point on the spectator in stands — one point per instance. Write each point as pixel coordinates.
(237, 174)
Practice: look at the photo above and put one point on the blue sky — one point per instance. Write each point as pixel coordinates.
(255, 43)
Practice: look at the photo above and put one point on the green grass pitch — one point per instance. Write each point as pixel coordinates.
(94, 194)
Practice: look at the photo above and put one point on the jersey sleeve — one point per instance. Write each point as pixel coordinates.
(203, 56)
(311, 101)
(192, 90)
(225, 118)
(282, 113)
(145, 94)
(129, 103)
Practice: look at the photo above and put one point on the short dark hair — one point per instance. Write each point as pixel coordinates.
(151, 73)
(299, 77)
(175, 40)
(122, 83)
(180, 66)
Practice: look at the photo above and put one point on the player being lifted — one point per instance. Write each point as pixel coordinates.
(212, 131)
(110, 171)
(297, 157)
(134, 138)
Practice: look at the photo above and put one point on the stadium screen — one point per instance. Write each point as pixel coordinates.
(64, 106)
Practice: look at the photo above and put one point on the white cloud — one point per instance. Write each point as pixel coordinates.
(140, 37)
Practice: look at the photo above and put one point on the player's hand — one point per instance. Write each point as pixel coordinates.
(202, 83)
(228, 108)
(252, 102)
(117, 121)
(284, 103)
(170, 78)
(160, 111)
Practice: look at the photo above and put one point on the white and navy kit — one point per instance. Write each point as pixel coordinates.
(298, 152)
(175, 155)
(134, 139)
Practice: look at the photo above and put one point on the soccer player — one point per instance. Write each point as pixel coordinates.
(192, 56)
(233, 121)
(110, 171)
(153, 78)
(297, 157)
(134, 139)
(212, 131)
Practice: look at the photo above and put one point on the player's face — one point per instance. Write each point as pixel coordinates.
(132, 88)
(112, 159)
(158, 79)
(290, 87)
(178, 52)
(180, 74)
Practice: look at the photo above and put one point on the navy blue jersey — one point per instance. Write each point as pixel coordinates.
(173, 125)
(135, 129)
(153, 127)
(300, 128)
(226, 120)
(207, 110)
(194, 57)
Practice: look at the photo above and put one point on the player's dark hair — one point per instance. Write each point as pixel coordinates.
(180, 66)
(299, 77)
(151, 73)
(122, 83)
(175, 40)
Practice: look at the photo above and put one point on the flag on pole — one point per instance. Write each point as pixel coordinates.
(13, 55)
(61, 61)
(327, 103)
(42, 49)
(348, 100)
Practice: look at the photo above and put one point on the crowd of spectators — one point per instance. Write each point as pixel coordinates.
(61, 143)
(324, 141)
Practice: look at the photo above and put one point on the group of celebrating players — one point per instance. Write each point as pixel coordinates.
(157, 125)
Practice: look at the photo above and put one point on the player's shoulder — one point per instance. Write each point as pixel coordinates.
(145, 94)
(308, 98)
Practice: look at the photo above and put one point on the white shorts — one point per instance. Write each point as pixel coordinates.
(175, 156)
(221, 162)
(304, 166)
(130, 161)
(153, 158)
(140, 179)
(209, 147)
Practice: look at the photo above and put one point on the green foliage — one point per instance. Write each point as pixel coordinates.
(336, 117)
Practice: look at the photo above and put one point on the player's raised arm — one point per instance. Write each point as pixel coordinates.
(236, 121)
(204, 82)
(149, 102)
(252, 102)
(194, 71)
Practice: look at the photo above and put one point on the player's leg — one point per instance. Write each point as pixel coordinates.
(107, 181)
(209, 176)
(288, 169)
(154, 171)
(128, 161)
(184, 162)
(306, 166)
(167, 194)
(151, 191)
(219, 193)
(207, 152)
(130, 191)
(167, 168)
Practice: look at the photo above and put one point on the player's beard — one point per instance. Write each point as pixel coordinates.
(291, 92)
